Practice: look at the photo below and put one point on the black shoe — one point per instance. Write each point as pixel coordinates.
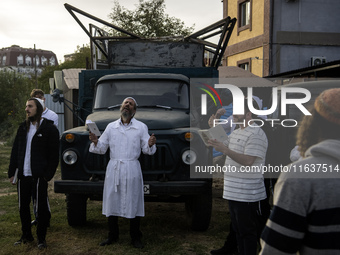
(42, 245)
(225, 250)
(137, 243)
(24, 240)
(109, 241)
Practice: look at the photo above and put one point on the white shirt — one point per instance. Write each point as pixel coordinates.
(123, 187)
(243, 185)
(27, 160)
(50, 115)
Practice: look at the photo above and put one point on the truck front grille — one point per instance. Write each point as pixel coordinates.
(162, 161)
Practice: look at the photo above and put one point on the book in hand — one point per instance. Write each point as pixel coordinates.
(15, 179)
(93, 127)
(214, 133)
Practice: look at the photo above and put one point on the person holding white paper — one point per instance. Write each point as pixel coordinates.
(244, 190)
(123, 194)
(93, 127)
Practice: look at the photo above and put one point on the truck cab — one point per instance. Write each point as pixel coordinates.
(164, 106)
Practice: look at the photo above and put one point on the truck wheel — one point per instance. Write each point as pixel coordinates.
(198, 210)
(76, 209)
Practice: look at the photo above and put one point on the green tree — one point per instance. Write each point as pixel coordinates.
(148, 20)
(79, 59)
(14, 92)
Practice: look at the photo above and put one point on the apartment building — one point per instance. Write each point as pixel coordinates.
(278, 36)
(26, 61)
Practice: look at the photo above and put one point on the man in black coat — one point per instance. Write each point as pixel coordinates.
(35, 156)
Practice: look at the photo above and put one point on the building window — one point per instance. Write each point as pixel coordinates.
(43, 61)
(28, 60)
(244, 64)
(244, 15)
(20, 60)
(4, 60)
(36, 60)
(52, 61)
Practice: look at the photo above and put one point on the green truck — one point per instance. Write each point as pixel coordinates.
(157, 73)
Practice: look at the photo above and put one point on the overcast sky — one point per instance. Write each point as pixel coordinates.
(48, 25)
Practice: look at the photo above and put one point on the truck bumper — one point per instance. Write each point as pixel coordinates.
(155, 188)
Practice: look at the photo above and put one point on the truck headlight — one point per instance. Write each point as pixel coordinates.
(189, 157)
(70, 157)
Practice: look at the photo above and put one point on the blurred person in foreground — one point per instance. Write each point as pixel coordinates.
(306, 214)
(35, 153)
(123, 194)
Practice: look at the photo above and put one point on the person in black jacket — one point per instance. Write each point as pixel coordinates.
(35, 154)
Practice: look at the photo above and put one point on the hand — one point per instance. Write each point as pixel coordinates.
(152, 140)
(218, 115)
(211, 120)
(220, 112)
(93, 138)
(219, 146)
(11, 180)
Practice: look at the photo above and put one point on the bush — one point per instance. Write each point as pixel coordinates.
(15, 89)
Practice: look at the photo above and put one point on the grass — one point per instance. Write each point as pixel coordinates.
(165, 230)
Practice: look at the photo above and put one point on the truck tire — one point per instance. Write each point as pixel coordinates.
(198, 209)
(76, 209)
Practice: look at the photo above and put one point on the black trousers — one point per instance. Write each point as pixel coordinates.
(246, 223)
(231, 241)
(36, 187)
(135, 232)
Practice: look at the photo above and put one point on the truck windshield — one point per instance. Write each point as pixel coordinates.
(171, 93)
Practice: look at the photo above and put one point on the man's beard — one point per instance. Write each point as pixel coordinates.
(126, 114)
(33, 118)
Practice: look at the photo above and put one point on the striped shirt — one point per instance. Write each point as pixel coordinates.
(245, 183)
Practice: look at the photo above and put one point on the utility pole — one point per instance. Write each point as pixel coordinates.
(35, 68)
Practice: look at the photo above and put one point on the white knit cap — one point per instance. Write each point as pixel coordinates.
(132, 99)
(41, 102)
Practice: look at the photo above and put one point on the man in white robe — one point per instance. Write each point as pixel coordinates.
(123, 187)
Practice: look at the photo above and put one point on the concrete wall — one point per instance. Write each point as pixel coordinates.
(303, 29)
